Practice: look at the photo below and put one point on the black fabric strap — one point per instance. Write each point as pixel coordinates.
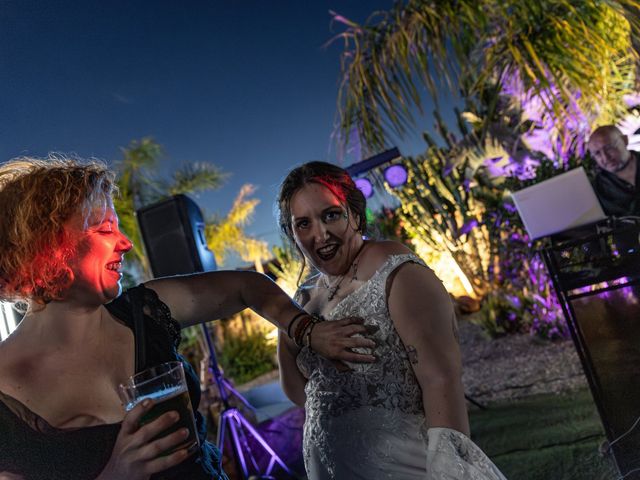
(136, 296)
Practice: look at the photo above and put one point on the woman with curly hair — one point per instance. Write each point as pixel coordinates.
(61, 252)
(404, 416)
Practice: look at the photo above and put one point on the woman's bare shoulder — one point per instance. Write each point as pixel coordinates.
(380, 251)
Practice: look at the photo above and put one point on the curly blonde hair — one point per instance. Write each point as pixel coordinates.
(37, 198)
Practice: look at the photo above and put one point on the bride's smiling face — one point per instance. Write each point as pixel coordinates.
(324, 229)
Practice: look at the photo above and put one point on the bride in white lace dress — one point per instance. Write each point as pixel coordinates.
(403, 417)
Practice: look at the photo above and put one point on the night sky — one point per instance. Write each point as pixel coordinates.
(246, 85)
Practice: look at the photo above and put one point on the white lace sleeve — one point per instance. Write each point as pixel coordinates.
(451, 455)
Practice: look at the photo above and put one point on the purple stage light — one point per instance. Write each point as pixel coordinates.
(364, 185)
(396, 175)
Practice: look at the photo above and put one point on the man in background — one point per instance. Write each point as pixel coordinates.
(617, 181)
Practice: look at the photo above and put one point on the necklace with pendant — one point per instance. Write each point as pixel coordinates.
(333, 289)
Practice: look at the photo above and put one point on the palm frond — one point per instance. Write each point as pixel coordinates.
(196, 177)
(243, 207)
(287, 267)
(226, 235)
(136, 172)
(577, 56)
(142, 153)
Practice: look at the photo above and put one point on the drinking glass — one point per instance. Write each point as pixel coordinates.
(165, 384)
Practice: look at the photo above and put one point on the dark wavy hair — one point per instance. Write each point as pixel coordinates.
(336, 179)
(37, 198)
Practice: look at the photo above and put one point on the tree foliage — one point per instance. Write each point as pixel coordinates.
(534, 78)
(226, 234)
(572, 55)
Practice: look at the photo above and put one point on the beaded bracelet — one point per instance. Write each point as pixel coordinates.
(309, 330)
(305, 333)
(296, 316)
(298, 336)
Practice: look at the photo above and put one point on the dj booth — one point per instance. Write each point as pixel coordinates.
(595, 271)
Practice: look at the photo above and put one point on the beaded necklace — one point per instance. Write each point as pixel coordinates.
(333, 289)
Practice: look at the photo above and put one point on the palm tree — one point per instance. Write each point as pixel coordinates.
(226, 235)
(573, 56)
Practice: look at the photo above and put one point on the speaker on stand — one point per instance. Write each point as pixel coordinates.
(173, 235)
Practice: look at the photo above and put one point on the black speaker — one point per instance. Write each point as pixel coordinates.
(173, 235)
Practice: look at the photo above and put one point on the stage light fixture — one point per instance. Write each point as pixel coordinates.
(364, 185)
(396, 175)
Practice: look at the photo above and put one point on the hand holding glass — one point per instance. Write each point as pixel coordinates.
(166, 386)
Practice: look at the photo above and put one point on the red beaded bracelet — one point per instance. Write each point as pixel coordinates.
(297, 316)
(298, 336)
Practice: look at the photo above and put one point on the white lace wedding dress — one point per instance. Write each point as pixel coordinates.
(369, 423)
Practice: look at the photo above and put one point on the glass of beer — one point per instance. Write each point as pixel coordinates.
(166, 386)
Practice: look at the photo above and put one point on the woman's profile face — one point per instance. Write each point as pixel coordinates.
(97, 266)
(324, 229)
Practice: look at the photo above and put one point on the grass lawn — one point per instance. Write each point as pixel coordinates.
(544, 437)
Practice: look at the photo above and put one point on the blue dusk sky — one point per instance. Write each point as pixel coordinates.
(246, 85)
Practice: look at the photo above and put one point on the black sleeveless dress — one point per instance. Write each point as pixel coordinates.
(29, 446)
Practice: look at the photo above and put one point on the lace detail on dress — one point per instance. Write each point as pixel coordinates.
(390, 382)
(388, 386)
(452, 455)
(161, 314)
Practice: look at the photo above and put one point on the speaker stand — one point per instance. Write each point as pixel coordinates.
(232, 422)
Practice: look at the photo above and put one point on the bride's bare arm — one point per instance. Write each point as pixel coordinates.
(423, 315)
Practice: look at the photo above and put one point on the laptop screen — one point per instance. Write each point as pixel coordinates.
(560, 203)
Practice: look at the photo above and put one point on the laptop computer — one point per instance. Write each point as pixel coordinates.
(560, 203)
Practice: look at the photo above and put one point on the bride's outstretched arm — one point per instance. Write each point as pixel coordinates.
(423, 315)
